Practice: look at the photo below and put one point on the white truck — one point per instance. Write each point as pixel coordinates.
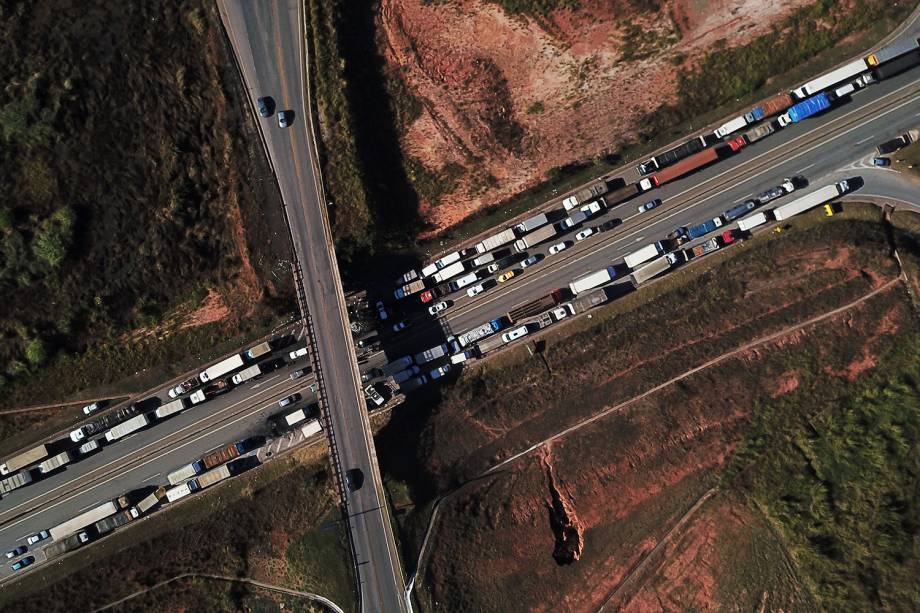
(171, 408)
(463, 281)
(758, 219)
(292, 419)
(310, 428)
(535, 238)
(809, 201)
(222, 368)
(55, 462)
(434, 353)
(652, 269)
(24, 459)
(254, 353)
(8, 484)
(127, 427)
(592, 280)
(147, 503)
(181, 475)
(87, 518)
(246, 374)
(181, 491)
(830, 79)
(643, 255)
(447, 260)
(532, 223)
(728, 127)
(496, 240)
(449, 272)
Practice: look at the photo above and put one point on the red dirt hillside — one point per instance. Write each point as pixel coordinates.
(510, 97)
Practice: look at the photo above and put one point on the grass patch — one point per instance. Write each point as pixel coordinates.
(907, 160)
(275, 524)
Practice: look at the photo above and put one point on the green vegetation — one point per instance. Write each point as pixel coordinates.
(128, 171)
(536, 108)
(536, 8)
(908, 159)
(277, 524)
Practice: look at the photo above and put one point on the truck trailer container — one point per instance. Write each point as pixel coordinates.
(148, 502)
(532, 223)
(830, 79)
(672, 156)
(897, 65)
(681, 168)
(482, 260)
(246, 374)
(254, 353)
(463, 281)
(17, 480)
(292, 419)
(171, 408)
(447, 260)
(449, 272)
(643, 255)
(700, 229)
(210, 391)
(809, 201)
(181, 475)
(652, 269)
(591, 192)
(81, 521)
(588, 300)
(223, 455)
(592, 280)
(213, 477)
(621, 195)
(758, 219)
(535, 307)
(32, 456)
(113, 419)
(707, 247)
(106, 525)
(125, 428)
(891, 51)
(311, 427)
(434, 353)
(769, 107)
(535, 238)
(221, 368)
(573, 220)
(429, 270)
(731, 126)
(488, 344)
(742, 209)
(181, 491)
(68, 544)
(55, 462)
(409, 288)
(805, 109)
(496, 240)
(479, 332)
(408, 277)
(755, 134)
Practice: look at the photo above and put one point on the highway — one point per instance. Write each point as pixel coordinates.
(268, 41)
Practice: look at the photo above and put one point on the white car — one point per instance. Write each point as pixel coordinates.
(37, 537)
(531, 261)
(90, 408)
(77, 435)
(570, 203)
(557, 248)
(492, 268)
(584, 234)
(298, 353)
(437, 308)
(514, 334)
(476, 289)
(564, 311)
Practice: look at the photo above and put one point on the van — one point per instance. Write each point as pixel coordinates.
(463, 281)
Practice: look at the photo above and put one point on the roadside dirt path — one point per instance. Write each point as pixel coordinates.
(267, 586)
(64, 405)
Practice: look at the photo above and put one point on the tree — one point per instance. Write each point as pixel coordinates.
(55, 236)
(36, 353)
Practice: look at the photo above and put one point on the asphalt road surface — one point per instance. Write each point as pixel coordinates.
(268, 42)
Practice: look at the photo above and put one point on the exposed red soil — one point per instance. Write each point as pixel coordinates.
(786, 383)
(510, 98)
(212, 309)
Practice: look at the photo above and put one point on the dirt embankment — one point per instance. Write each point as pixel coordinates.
(508, 98)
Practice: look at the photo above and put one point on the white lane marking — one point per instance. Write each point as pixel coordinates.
(868, 138)
(803, 169)
(639, 238)
(683, 210)
(264, 381)
(151, 477)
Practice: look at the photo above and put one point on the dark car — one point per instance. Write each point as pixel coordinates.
(265, 106)
(16, 552)
(354, 479)
(609, 225)
(284, 118)
(881, 162)
(22, 563)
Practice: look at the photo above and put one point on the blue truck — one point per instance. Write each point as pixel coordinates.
(688, 233)
(805, 109)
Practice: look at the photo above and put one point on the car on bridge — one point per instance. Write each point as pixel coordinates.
(354, 479)
(12, 553)
(265, 104)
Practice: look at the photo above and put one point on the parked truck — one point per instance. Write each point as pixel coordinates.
(24, 459)
(409, 288)
(689, 233)
(592, 280)
(181, 491)
(496, 240)
(652, 269)
(769, 107)
(482, 260)
(223, 455)
(213, 476)
(892, 145)
(205, 393)
(892, 51)
(181, 475)
(108, 524)
(707, 247)
(685, 166)
(17, 480)
(311, 427)
(588, 300)
(429, 355)
(113, 419)
(532, 223)
(488, 344)
(83, 520)
(254, 353)
(805, 109)
(70, 543)
(830, 79)
(809, 201)
(535, 238)
(171, 408)
(535, 307)
(591, 192)
(757, 219)
(246, 374)
(55, 462)
(124, 429)
(148, 503)
(621, 195)
(672, 156)
(755, 134)
(479, 332)
(449, 272)
(645, 254)
(573, 220)
(731, 126)
(897, 65)
(294, 418)
(222, 368)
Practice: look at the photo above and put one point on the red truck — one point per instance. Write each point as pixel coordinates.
(683, 167)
